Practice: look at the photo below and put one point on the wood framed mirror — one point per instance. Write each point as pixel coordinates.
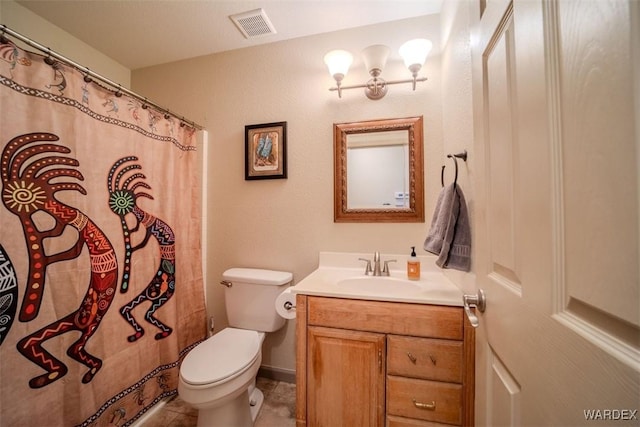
(379, 171)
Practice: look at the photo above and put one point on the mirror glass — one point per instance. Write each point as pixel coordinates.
(378, 171)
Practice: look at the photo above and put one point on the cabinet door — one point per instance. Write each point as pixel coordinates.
(345, 378)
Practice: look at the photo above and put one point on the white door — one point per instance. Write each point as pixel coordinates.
(556, 126)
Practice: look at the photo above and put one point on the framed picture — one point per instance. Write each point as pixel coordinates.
(265, 151)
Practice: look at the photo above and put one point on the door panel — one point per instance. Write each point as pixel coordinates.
(498, 68)
(505, 395)
(597, 134)
(556, 212)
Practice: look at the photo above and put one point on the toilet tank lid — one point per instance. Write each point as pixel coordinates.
(258, 276)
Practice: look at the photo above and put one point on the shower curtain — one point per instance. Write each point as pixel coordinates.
(101, 287)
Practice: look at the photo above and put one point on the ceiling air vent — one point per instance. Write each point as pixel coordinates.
(254, 23)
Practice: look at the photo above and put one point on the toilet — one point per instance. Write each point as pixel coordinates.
(218, 376)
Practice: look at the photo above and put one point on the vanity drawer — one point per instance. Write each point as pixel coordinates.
(427, 358)
(386, 317)
(424, 400)
(393, 421)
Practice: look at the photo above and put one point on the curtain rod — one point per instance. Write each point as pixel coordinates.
(48, 51)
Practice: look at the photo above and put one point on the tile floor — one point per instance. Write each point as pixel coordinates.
(278, 409)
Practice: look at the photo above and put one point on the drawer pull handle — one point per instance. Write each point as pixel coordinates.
(433, 359)
(411, 357)
(428, 406)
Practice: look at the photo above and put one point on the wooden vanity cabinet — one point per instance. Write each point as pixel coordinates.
(373, 363)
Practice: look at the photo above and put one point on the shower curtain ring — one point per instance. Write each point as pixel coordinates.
(49, 60)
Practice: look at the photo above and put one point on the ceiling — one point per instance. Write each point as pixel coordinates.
(143, 33)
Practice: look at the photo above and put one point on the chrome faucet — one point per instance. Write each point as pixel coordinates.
(376, 264)
(367, 269)
(376, 270)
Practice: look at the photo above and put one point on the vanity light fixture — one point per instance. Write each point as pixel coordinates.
(414, 53)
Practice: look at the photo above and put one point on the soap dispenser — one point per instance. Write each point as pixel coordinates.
(413, 265)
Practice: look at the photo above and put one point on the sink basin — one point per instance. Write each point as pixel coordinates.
(380, 285)
(341, 275)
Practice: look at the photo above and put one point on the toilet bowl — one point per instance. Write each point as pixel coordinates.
(217, 376)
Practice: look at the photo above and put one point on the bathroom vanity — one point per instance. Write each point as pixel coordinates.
(369, 356)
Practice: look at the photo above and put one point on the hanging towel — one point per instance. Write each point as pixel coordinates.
(450, 234)
(435, 238)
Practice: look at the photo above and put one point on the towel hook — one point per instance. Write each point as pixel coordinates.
(462, 156)
(455, 179)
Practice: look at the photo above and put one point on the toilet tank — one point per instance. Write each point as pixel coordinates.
(251, 298)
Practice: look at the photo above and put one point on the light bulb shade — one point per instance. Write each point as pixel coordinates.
(375, 57)
(338, 62)
(414, 52)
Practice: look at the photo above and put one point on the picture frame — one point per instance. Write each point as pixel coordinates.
(265, 151)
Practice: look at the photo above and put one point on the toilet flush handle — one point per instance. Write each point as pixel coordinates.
(226, 283)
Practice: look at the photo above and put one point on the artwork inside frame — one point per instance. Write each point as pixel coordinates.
(265, 151)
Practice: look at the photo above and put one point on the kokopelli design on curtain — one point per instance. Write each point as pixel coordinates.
(29, 185)
(124, 194)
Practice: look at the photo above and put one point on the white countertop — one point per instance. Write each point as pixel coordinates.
(432, 288)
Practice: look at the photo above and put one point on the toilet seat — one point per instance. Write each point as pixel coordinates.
(221, 356)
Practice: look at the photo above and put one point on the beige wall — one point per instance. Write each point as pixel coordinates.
(283, 224)
(27, 23)
(457, 111)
